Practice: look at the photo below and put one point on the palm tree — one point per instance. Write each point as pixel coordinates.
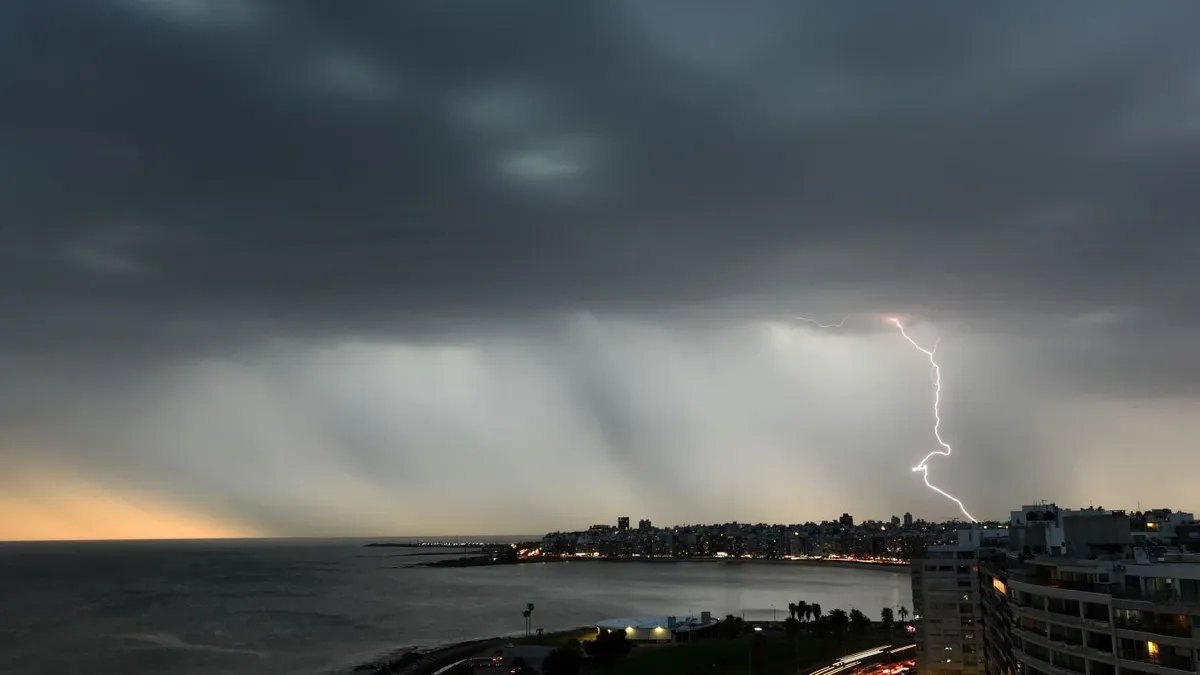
(528, 614)
(815, 609)
(838, 621)
(802, 610)
(887, 619)
(791, 610)
(859, 621)
(903, 614)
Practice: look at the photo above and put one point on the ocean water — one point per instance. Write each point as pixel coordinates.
(324, 607)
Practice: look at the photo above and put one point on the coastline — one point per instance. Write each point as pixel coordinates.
(429, 660)
(483, 561)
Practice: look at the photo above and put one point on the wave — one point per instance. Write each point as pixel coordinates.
(169, 641)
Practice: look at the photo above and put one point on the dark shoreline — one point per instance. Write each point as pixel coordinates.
(432, 659)
(484, 561)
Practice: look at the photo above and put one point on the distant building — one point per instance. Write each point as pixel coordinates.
(644, 525)
(659, 628)
(895, 521)
(846, 520)
(623, 523)
(908, 521)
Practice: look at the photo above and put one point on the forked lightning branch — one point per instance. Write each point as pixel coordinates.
(946, 450)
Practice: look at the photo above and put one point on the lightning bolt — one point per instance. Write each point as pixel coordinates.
(923, 466)
(818, 324)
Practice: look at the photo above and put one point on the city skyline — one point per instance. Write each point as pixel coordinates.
(287, 269)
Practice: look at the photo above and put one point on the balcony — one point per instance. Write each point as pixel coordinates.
(1043, 615)
(1086, 586)
(1044, 581)
(1151, 624)
(1160, 664)
(1085, 650)
(1044, 666)
(1170, 597)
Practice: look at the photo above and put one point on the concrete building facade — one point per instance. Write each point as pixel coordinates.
(946, 608)
(1081, 593)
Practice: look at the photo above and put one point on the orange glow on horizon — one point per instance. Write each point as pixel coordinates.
(47, 506)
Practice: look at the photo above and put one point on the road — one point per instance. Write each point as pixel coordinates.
(534, 655)
(874, 661)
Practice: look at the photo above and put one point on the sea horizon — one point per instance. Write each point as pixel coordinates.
(440, 538)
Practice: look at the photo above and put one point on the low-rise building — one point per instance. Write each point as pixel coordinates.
(657, 628)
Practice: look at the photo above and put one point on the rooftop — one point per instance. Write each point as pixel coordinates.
(649, 622)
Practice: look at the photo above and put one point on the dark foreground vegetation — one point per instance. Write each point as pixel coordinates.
(807, 638)
(804, 640)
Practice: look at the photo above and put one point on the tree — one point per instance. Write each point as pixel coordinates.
(839, 621)
(528, 614)
(731, 626)
(609, 647)
(887, 619)
(802, 609)
(820, 625)
(903, 614)
(815, 609)
(859, 621)
(566, 660)
(791, 610)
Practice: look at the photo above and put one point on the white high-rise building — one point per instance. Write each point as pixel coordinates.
(946, 609)
(1081, 593)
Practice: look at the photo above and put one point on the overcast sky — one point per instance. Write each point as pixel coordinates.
(444, 267)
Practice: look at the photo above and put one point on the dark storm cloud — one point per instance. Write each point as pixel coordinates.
(298, 164)
(311, 267)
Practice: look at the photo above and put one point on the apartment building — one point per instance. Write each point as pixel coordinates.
(1077, 592)
(946, 608)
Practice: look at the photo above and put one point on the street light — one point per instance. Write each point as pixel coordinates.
(750, 654)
